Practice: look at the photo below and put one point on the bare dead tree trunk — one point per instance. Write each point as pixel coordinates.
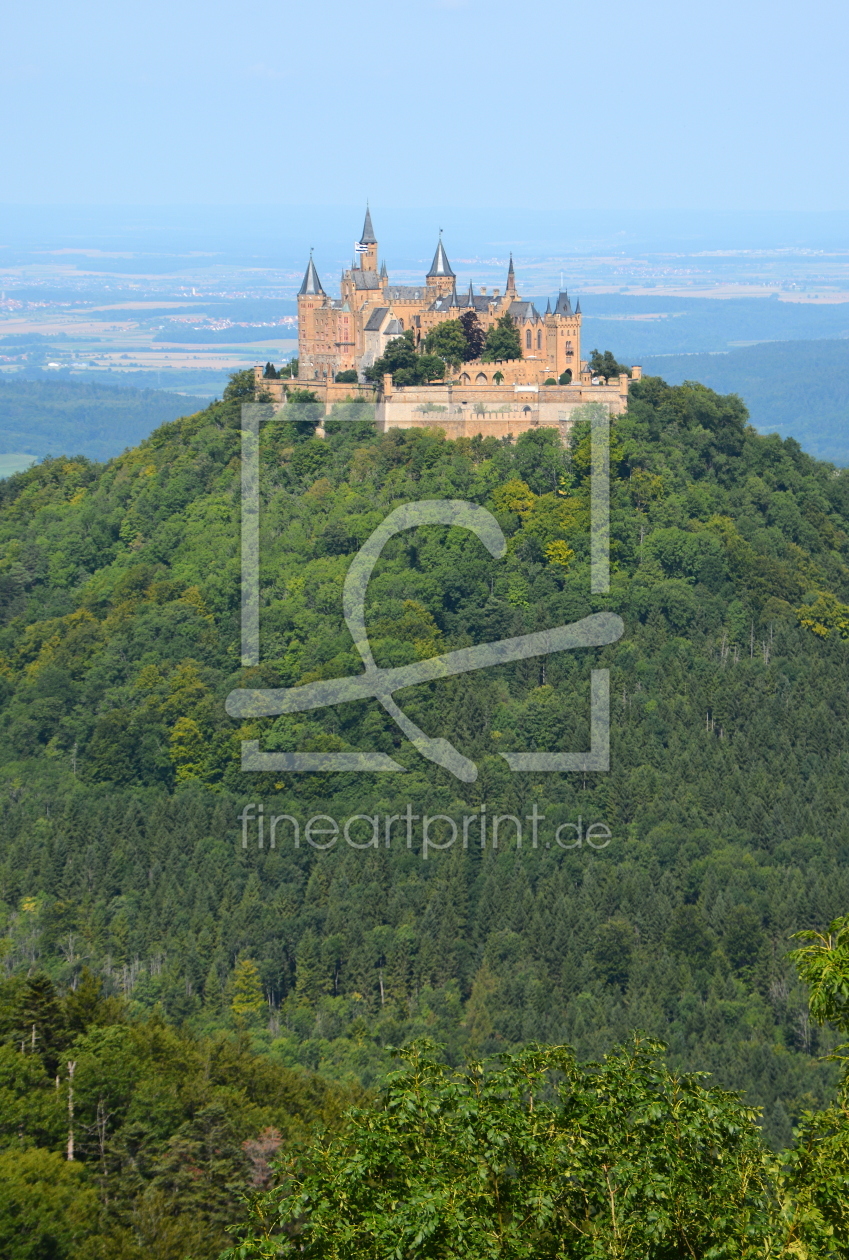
(102, 1117)
(72, 1063)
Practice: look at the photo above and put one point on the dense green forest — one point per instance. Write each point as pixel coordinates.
(125, 1139)
(121, 786)
(535, 1155)
(49, 417)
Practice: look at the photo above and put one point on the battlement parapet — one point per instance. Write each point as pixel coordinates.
(464, 408)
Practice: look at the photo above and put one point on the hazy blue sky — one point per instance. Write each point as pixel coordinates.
(735, 105)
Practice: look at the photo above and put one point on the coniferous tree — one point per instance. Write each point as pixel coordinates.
(247, 996)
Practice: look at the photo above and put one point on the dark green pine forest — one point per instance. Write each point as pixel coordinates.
(218, 999)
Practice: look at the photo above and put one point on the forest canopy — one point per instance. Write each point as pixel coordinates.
(121, 785)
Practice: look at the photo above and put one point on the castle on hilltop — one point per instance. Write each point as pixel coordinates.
(350, 333)
(338, 334)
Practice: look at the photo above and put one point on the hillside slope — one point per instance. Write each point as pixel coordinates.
(50, 417)
(121, 785)
(797, 389)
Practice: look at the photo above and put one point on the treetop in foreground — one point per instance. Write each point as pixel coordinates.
(536, 1157)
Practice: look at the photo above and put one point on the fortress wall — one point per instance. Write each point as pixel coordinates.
(492, 411)
(463, 410)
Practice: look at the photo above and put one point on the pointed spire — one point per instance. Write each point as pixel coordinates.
(578, 307)
(564, 306)
(311, 284)
(384, 274)
(548, 306)
(368, 237)
(440, 265)
(454, 299)
(511, 276)
(470, 301)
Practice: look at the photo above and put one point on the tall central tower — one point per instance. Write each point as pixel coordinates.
(368, 240)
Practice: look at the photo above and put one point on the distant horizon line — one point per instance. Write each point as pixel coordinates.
(436, 208)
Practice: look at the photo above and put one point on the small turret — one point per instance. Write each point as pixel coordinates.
(441, 276)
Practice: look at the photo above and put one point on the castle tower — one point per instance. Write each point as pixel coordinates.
(563, 329)
(368, 242)
(441, 278)
(311, 298)
(511, 280)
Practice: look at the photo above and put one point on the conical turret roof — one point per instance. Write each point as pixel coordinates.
(368, 237)
(564, 306)
(311, 284)
(440, 265)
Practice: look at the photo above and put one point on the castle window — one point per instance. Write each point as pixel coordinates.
(539, 341)
(480, 379)
(528, 339)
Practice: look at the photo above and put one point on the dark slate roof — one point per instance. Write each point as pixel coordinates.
(311, 283)
(405, 292)
(376, 318)
(524, 310)
(365, 279)
(477, 301)
(393, 329)
(548, 306)
(578, 307)
(564, 306)
(440, 265)
(368, 237)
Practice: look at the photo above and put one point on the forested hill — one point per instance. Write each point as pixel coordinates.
(726, 801)
(93, 418)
